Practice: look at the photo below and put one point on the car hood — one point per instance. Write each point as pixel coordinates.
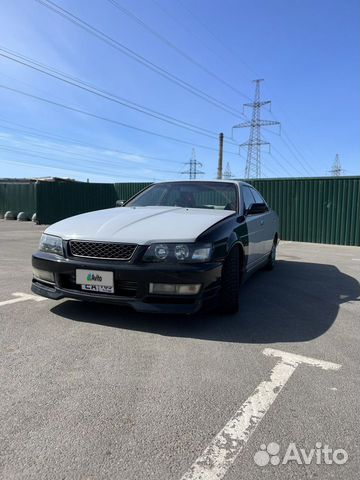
(140, 225)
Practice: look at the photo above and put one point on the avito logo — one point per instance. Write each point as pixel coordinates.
(320, 454)
(91, 277)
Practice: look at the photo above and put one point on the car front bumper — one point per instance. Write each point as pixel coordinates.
(131, 283)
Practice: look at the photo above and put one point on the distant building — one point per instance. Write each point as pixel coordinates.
(34, 180)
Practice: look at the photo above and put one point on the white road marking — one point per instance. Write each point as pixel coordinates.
(293, 358)
(218, 457)
(22, 297)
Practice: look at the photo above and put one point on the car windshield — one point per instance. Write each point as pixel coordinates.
(210, 195)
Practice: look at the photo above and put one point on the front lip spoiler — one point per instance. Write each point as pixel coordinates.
(55, 293)
(45, 290)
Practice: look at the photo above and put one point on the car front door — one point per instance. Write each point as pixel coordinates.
(267, 225)
(254, 227)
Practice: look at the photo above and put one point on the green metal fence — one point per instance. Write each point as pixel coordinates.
(127, 190)
(56, 201)
(321, 210)
(17, 198)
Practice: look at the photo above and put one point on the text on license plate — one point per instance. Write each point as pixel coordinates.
(95, 280)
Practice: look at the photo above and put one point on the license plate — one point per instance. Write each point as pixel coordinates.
(95, 280)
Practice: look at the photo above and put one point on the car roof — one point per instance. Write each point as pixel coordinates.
(235, 182)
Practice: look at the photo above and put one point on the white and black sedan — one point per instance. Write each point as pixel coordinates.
(174, 247)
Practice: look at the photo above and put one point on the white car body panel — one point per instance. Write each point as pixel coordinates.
(140, 225)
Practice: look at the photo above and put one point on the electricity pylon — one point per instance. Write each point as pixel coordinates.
(193, 167)
(336, 170)
(227, 175)
(255, 142)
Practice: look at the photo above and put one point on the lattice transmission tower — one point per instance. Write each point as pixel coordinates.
(194, 166)
(255, 142)
(227, 175)
(336, 169)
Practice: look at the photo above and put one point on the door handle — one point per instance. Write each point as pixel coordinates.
(261, 222)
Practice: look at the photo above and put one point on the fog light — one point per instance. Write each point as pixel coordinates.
(191, 289)
(174, 288)
(43, 275)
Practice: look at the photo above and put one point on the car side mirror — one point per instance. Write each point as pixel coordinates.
(257, 208)
(120, 203)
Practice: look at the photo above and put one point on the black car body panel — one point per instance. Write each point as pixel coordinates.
(253, 234)
(131, 282)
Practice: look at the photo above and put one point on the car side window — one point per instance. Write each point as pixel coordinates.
(247, 196)
(257, 196)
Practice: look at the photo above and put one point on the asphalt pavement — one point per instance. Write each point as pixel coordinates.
(91, 391)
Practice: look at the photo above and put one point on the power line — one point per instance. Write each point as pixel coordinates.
(218, 39)
(193, 170)
(294, 150)
(41, 133)
(189, 31)
(167, 42)
(309, 170)
(37, 164)
(106, 119)
(137, 57)
(57, 74)
(288, 136)
(271, 172)
(289, 163)
(236, 57)
(294, 156)
(281, 164)
(60, 164)
(86, 158)
(255, 142)
(201, 146)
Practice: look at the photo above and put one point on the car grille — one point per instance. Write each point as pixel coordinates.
(103, 250)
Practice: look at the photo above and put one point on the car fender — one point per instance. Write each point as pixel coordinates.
(224, 235)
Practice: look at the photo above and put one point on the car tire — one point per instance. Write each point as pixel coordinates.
(230, 280)
(272, 257)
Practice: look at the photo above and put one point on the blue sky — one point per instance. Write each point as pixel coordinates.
(307, 51)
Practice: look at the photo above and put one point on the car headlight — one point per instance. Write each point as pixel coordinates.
(51, 244)
(161, 251)
(178, 252)
(182, 252)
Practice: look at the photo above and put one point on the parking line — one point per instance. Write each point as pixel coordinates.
(22, 297)
(221, 453)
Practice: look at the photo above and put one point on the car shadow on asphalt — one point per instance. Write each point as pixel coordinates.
(295, 302)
